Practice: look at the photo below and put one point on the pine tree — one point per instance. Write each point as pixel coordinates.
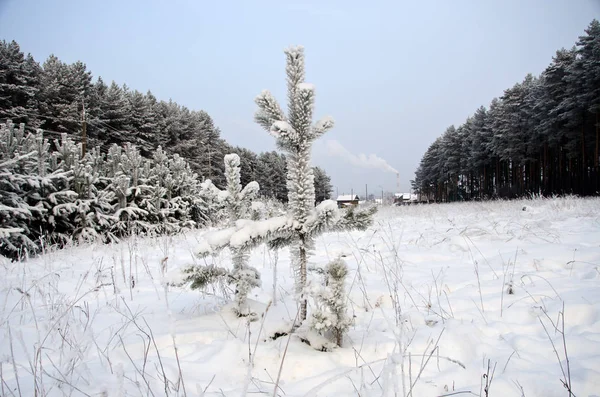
(238, 203)
(19, 85)
(141, 121)
(64, 90)
(480, 153)
(115, 116)
(330, 302)
(323, 186)
(271, 175)
(295, 134)
(16, 215)
(587, 92)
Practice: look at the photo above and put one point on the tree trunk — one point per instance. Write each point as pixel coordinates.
(583, 179)
(303, 260)
(484, 183)
(497, 184)
(560, 170)
(545, 173)
(571, 172)
(596, 170)
(597, 133)
(472, 183)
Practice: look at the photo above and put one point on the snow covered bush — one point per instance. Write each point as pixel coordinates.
(295, 134)
(238, 203)
(201, 276)
(329, 314)
(51, 194)
(211, 206)
(16, 185)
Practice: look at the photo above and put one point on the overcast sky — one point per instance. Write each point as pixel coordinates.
(393, 74)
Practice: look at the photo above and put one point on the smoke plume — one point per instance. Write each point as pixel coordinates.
(361, 160)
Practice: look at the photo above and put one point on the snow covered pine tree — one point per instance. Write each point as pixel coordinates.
(295, 135)
(330, 302)
(238, 203)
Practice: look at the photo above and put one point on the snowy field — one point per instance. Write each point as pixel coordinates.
(445, 299)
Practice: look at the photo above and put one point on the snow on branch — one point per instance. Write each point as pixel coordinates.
(201, 276)
(294, 68)
(247, 234)
(232, 160)
(268, 111)
(304, 103)
(322, 126)
(15, 160)
(323, 218)
(280, 231)
(250, 190)
(356, 219)
(6, 232)
(283, 130)
(14, 210)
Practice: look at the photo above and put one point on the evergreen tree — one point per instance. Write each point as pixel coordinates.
(295, 134)
(141, 121)
(65, 90)
(115, 116)
(330, 302)
(323, 186)
(481, 156)
(19, 85)
(587, 91)
(16, 214)
(271, 175)
(238, 203)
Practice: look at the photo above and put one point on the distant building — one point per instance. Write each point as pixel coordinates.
(347, 200)
(405, 198)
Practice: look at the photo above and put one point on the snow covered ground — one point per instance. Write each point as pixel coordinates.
(440, 294)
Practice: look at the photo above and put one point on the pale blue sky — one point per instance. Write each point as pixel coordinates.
(393, 74)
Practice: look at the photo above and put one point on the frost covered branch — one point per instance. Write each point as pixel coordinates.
(269, 110)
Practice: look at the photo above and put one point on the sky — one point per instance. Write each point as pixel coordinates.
(393, 74)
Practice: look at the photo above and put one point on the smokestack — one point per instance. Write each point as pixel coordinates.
(398, 182)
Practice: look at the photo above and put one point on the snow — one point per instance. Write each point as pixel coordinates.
(453, 285)
(232, 159)
(325, 123)
(258, 206)
(347, 197)
(306, 87)
(5, 232)
(280, 128)
(255, 229)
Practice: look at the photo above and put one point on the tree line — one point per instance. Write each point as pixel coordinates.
(540, 137)
(56, 96)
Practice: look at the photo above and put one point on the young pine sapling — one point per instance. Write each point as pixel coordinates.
(295, 134)
(329, 315)
(238, 204)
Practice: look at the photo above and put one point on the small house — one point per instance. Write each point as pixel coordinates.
(405, 198)
(347, 200)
